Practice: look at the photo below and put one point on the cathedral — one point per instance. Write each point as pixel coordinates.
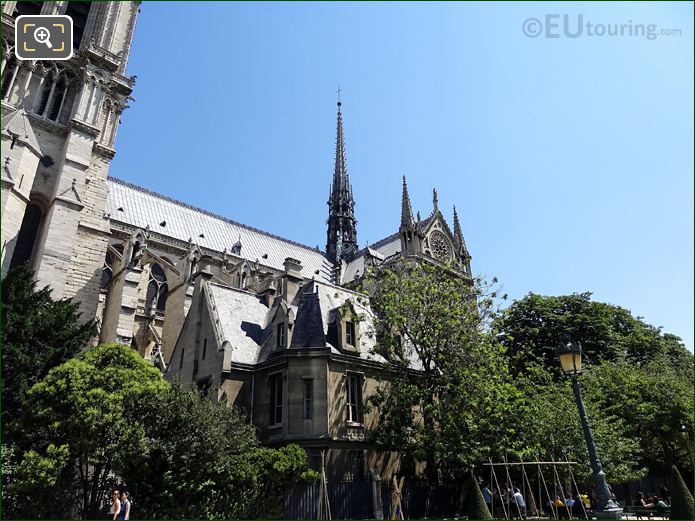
(250, 318)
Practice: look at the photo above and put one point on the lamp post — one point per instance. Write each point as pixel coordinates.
(571, 362)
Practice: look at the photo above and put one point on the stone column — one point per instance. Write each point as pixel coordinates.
(12, 80)
(50, 96)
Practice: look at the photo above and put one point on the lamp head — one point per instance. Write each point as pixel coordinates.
(570, 355)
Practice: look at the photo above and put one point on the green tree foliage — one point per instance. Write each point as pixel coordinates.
(654, 402)
(37, 334)
(459, 406)
(681, 497)
(553, 430)
(204, 462)
(34, 484)
(533, 327)
(638, 380)
(108, 418)
(82, 405)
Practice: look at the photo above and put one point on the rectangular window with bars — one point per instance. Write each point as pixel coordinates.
(354, 398)
(275, 399)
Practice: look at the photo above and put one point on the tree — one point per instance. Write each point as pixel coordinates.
(108, 419)
(654, 402)
(476, 508)
(204, 461)
(37, 334)
(635, 375)
(82, 407)
(446, 398)
(553, 430)
(532, 328)
(682, 499)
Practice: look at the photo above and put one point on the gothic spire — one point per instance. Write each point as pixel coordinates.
(407, 220)
(342, 230)
(341, 181)
(458, 234)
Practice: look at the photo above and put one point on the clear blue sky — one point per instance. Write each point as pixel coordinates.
(570, 159)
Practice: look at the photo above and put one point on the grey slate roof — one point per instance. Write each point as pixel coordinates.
(385, 248)
(142, 207)
(241, 318)
(308, 326)
(242, 321)
(17, 123)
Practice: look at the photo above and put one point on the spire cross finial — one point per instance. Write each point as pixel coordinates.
(338, 92)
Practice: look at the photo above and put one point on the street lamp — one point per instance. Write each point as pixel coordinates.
(571, 362)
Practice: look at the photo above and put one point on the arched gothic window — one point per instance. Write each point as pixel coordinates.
(157, 290)
(57, 102)
(53, 94)
(26, 238)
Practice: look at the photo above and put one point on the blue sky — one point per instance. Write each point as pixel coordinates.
(570, 160)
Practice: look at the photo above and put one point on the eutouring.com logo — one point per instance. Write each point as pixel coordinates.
(575, 26)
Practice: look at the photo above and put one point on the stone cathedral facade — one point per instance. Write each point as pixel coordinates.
(251, 318)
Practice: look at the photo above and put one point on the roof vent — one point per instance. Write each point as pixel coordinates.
(293, 267)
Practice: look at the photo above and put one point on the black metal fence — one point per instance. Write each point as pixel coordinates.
(355, 500)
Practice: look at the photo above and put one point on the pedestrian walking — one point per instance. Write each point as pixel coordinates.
(125, 506)
(115, 505)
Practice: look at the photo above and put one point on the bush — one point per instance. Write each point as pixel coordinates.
(681, 498)
(475, 502)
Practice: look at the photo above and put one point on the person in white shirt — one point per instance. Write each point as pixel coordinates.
(520, 503)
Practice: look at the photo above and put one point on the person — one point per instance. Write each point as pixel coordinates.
(115, 505)
(664, 492)
(560, 508)
(593, 498)
(487, 496)
(640, 501)
(125, 506)
(518, 499)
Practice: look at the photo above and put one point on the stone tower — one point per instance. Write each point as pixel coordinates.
(342, 226)
(59, 125)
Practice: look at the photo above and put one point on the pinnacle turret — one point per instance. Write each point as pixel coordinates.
(407, 220)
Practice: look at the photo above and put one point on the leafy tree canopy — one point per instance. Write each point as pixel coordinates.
(82, 406)
(458, 407)
(534, 327)
(37, 334)
(205, 462)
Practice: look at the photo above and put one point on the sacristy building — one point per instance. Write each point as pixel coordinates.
(251, 318)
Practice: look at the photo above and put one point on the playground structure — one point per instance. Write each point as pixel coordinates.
(539, 497)
(540, 483)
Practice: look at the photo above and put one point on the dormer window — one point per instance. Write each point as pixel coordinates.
(350, 338)
(281, 339)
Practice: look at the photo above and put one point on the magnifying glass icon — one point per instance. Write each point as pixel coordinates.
(43, 35)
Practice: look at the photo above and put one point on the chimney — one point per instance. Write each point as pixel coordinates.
(292, 279)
